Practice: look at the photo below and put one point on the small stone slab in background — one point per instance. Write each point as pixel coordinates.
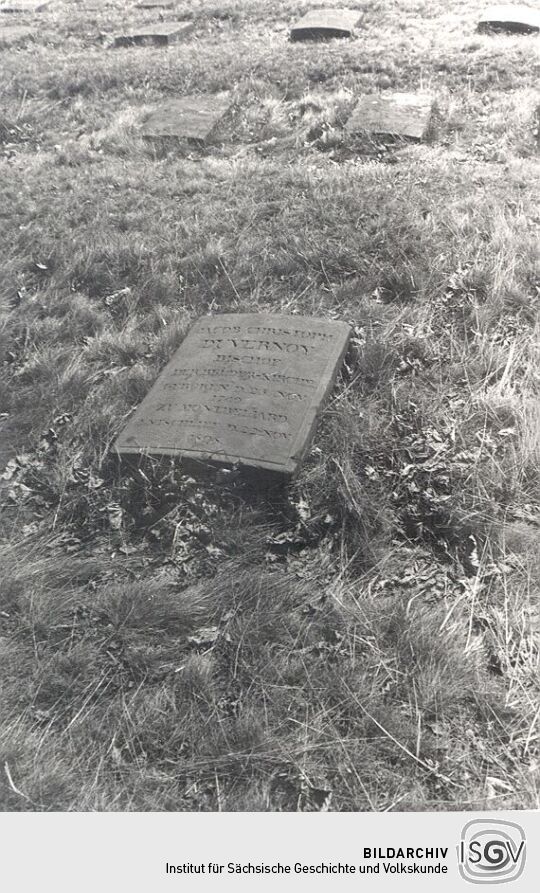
(322, 23)
(160, 34)
(13, 33)
(189, 118)
(23, 5)
(513, 19)
(242, 388)
(155, 4)
(393, 114)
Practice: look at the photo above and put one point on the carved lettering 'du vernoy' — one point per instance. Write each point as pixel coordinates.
(242, 388)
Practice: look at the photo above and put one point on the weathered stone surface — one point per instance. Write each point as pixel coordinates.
(242, 388)
(520, 19)
(160, 34)
(394, 114)
(155, 4)
(189, 118)
(23, 5)
(13, 33)
(320, 23)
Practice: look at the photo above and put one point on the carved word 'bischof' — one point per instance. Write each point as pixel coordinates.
(247, 358)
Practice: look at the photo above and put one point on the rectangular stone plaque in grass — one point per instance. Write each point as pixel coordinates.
(242, 388)
(190, 118)
(517, 19)
(394, 114)
(155, 4)
(322, 23)
(23, 5)
(160, 34)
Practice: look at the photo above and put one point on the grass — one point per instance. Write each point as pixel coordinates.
(367, 638)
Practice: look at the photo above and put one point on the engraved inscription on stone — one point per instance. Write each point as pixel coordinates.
(394, 114)
(520, 19)
(23, 5)
(242, 387)
(321, 23)
(158, 35)
(190, 118)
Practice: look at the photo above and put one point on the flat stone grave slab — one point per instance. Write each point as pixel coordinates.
(396, 114)
(242, 388)
(321, 23)
(23, 5)
(155, 4)
(516, 19)
(160, 34)
(190, 117)
(13, 33)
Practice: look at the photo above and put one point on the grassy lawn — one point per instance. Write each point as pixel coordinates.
(366, 638)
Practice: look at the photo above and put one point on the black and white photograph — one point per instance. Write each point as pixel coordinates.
(269, 407)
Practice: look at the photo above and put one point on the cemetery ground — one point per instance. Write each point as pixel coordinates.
(365, 638)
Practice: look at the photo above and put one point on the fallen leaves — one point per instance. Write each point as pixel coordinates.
(207, 636)
(115, 515)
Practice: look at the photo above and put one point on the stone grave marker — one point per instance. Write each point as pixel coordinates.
(190, 117)
(393, 114)
(321, 23)
(155, 4)
(13, 33)
(160, 34)
(242, 388)
(517, 19)
(23, 5)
